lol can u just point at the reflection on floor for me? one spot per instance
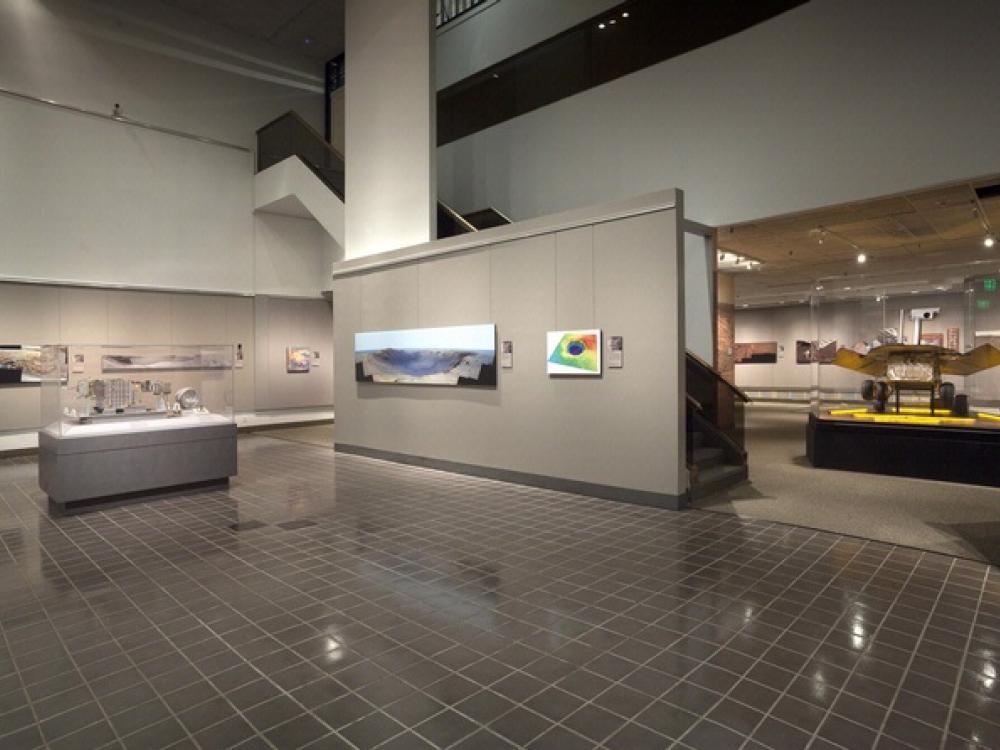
(334, 601)
(314, 434)
(954, 519)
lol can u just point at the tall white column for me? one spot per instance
(390, 139)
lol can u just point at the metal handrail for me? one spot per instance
(122, 119)
(305, 123)
(718, 376)
(457, 217)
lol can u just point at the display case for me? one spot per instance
(104, 390)
(926, 359)
(907, 382)
(119, 420)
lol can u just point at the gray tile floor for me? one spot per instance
(335, 601)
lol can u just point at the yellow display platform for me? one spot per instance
(915, 415)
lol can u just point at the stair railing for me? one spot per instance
(715, 405)
(290, 135)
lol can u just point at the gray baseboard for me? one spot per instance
(607, 492)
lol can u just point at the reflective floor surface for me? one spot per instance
(335, 601)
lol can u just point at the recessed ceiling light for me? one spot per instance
(308, 40)
(914, 291)
(819, 287)
(600, 25)
(847, 288)
(625, 14)
(989, 240)
(862, 258)
(613, 21)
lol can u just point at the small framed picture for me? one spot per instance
(616, 352)
(507, 354)
(238, 358)
(297, 359)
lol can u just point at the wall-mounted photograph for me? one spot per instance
(450, 356)
(171, 362)
(573, 352)
(756, 353)
(807, 352)
(298, 359)
(20, 364)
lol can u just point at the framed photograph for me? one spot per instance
(21, 364)
(238, 356)
(297, 359)
(507, 354)
(449, 356)
(756, 353)
(315, 358)
(574, 352)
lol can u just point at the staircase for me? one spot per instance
(288, 143)
(716, 456)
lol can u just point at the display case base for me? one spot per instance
(949, 454)
(86, 473)
(130, 498)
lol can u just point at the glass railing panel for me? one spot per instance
(289, 135)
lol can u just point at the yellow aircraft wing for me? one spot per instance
(981, 358)
(874, 366)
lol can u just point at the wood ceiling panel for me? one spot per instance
(927, 238)
(953, 195)
(954, 222)
(884, 207)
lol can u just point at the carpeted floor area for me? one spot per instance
(960, 520)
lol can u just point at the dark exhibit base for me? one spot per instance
(130, 498)
(950, 454)
(99, 471)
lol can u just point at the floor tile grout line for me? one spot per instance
(850, 673)
(645, 663)
(909, 664)
(136, 666)
(412, 556)
(961, 668)
(238, 711)
(786, 629)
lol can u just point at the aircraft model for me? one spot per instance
(911, 367)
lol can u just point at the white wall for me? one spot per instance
(830, 102)
(699, 296)
(623, 429)
(85, 199)
(292, 255)
(503, 28)
(283, 323)
(93, 55)
(33, 314)
(390, 126)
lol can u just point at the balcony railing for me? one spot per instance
(290, 135)
(449, 10)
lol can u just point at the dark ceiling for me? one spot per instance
(308, 28)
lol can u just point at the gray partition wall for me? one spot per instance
(618, 268)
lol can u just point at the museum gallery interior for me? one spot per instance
(480, 374)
